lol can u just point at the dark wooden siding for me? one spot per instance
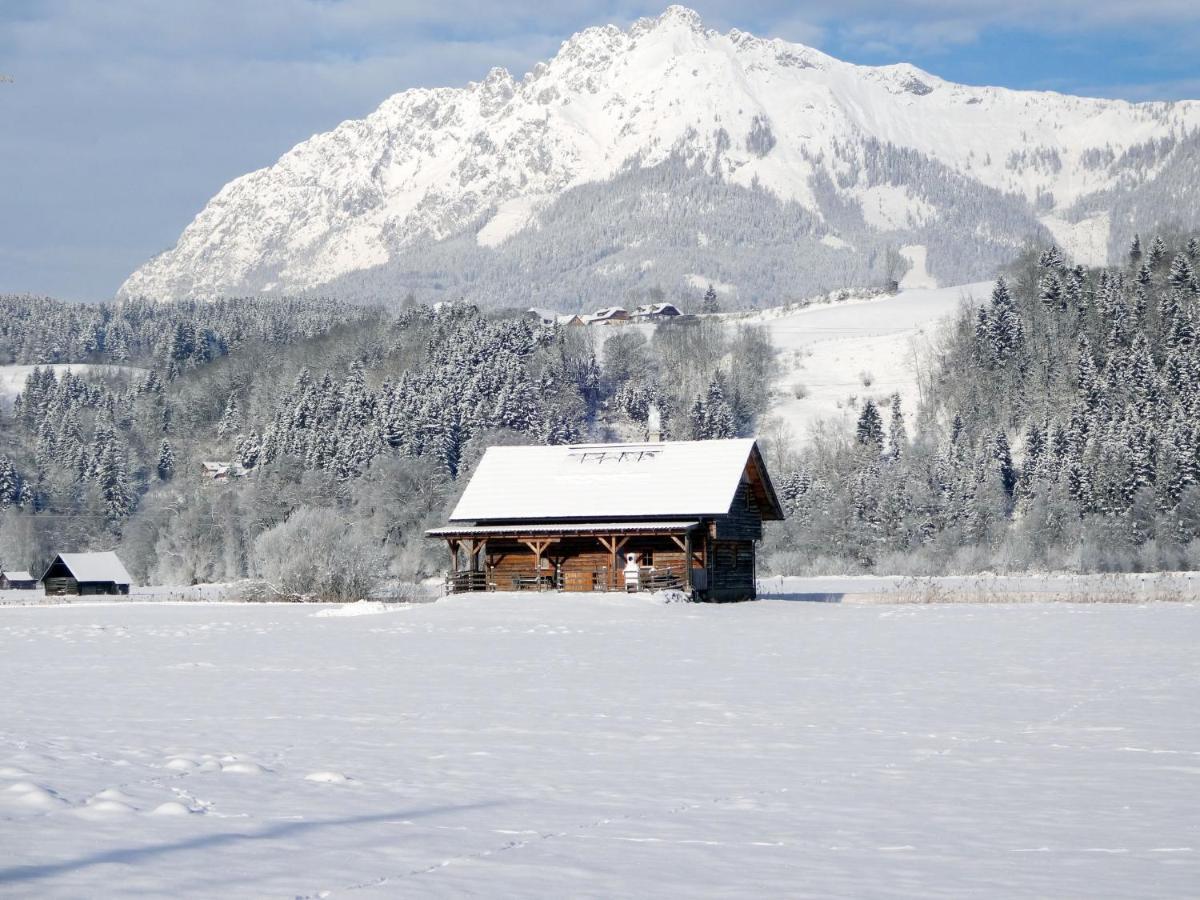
(731, 575)
(744, 519)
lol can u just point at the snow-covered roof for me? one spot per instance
(658, 309)
(560, 528)
(609, 312)
(17, 576)
(96, 567)
(610, 481)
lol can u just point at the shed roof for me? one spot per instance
(95, 567)
(677, 479)
(17, 576)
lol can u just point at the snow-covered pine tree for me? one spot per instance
(897, 433)
(1157, 258)
(869, 430)
(230, 423)
(166, 461)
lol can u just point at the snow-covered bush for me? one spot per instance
(315, 552)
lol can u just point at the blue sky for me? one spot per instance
(123, 117)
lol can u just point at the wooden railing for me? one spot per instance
(467, 582)
(663, 579)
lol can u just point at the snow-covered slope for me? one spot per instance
(834, 357)
(667, 151)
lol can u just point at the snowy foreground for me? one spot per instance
(591, 746)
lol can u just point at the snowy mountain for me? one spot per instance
(669, 156)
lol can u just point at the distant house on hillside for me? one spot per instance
(548, 318)
(13, 580)
(222, 470)
(653, 311)
(544, 317)
(610, 315)
(86, 574)
(606, 517)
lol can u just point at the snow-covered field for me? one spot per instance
(1132, 587)
(588, 746)
(833, 350)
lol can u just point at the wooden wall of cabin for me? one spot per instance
(743, 522)
(731, 575)
(583, 561)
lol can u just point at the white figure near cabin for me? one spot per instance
(632, 572)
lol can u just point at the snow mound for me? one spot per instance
(243, 767)
(326, 777)
(361, 608)
(27, 795)
(12, 772)
(113, 795)
(171, 808)
(180, 764)
(105, 808)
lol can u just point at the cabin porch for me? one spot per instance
(575, 558)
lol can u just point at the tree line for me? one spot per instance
(1062, 431)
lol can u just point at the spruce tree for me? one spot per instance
(1135, 252)
(166, 461)
(231, 420)
(710, 304)
(1157, 257)
(897, 433)
(1002, 457)
(1181, 273)
(869, 431)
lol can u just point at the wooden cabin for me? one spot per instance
(17, 581)
(86, 574)
(613, 517)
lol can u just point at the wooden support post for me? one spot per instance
(453, 545)
(687, 562)
(538, 547)
(613, 545)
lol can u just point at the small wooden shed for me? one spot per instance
(604, 517)
(17, 581)
(86, 574)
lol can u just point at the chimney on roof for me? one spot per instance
(654, 425)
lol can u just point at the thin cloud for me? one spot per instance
(124, 117)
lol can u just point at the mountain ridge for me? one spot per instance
(482, 191)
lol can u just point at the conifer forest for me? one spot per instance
(1060, 427)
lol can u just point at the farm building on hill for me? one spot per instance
(86, 574)
(655, 311)
(605, 517)
(17, 581)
